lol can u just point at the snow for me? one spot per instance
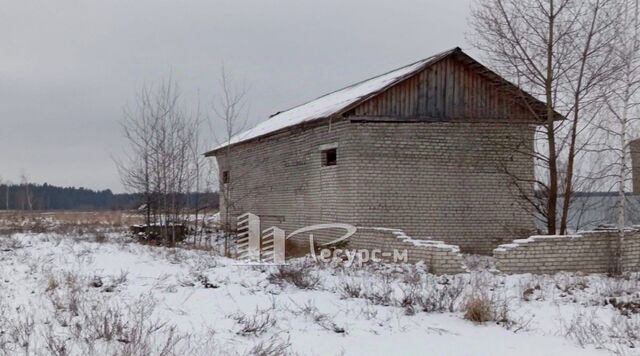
(402, 236)
(519, 242)
(332, 103)
(204, 295)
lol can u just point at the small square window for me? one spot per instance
(330, 157)
(225, 177)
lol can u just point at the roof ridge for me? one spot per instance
(341, 100)
(427, 59)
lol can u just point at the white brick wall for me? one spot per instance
(433, 180)
(439, 257)
(591, 252)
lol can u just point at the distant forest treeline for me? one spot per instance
(50, 197)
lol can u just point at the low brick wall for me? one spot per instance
(590, 252)
(631, 252)
(440, 258)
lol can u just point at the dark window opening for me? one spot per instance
(225, 177)
(330, 157)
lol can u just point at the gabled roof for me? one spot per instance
(341, 101)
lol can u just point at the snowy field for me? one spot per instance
(88, 293)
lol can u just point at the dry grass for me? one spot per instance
(271, 347)
(81, 223)
(432, 295)
(325, 321)
(299, 275)
(479, 309)
(254, 324)
(106, 217)
(617, 335)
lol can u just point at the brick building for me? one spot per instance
(432, 148)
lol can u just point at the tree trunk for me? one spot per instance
(622, 175)
(552, 196)
(568, 189)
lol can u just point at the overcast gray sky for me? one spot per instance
(69, 67)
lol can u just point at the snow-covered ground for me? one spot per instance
(73, 294)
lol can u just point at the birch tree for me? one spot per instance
(159, 163)
(199, 177)
(555, 50)
(6, 192)
(28, 197)
(589, 72)
(230, 109)
(620, 124)
(138, 127)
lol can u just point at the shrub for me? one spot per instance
(297, 275)
(254, 324)
(100, 238)
(432, 296)
(105, 323)
(52, 284)
(587, 329)
(479, 309)
(379, 292)
(271, 347)
(321, 319)
(350, 289)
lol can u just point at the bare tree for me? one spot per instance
(555, 50)
(7, 187)
(138, 127)
(230, 108)
(590, 69)
(6, 191)
(199, 177)
(620, 124)
(28, 197)
(159, 163)
(6, 184)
